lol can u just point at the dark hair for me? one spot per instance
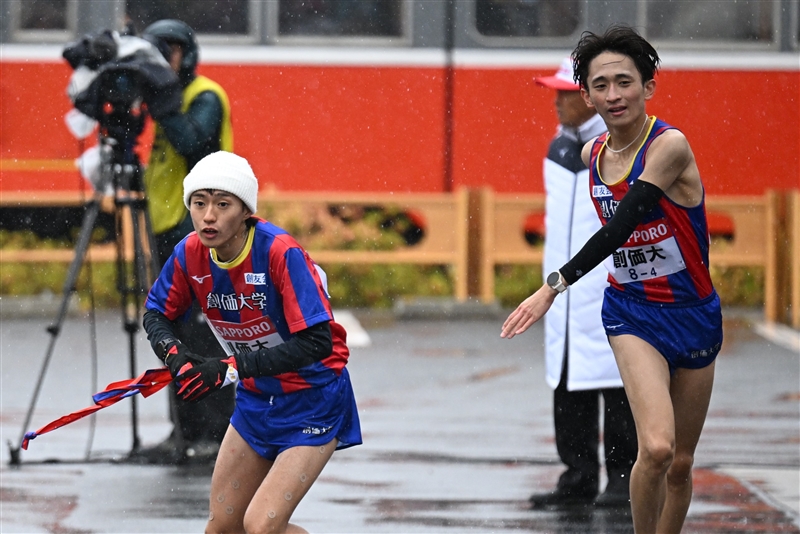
(617, 38)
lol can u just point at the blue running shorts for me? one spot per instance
(688, 335)
(309, 417)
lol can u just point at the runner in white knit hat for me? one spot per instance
(266, 301)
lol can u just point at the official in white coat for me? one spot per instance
(580, 365)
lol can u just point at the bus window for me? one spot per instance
(43, 15)
(711, 20)
(381, 18)
(527, 18)
(227, 17)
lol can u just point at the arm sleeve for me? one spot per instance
(160, 332)
(634, 206)
(196, 132)
(308, 346)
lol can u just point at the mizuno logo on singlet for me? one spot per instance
(199, 279)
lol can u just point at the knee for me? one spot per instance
(656, 454)
(680, 471)
(272, 521)
(217, 524)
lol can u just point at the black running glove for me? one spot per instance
(199, 381)
(176, 356)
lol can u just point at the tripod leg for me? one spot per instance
(136, 285)
(87, 227)
(127, 280)
(141, 276)
(151, 242)
(134, 412)
(150, 259)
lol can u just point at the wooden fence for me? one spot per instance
(444, 217)
(473, 238)
(503, 240)
(106, 252)
(755, 240)
(794, 240)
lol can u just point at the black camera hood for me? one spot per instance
(91, 51)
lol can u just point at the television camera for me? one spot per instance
(117, 81)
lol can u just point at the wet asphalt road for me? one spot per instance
(457, 434)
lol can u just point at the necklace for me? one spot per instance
(626, 147)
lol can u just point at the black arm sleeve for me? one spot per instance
(160, 332)
(640, 200)
(306, 347)
(195, 134)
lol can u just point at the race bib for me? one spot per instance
(651, 252)
(237, 338)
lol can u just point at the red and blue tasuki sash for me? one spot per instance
(147, 383)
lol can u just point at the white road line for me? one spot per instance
(356, 335)
(780, 334)
(777, 487)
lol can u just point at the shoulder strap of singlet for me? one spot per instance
(596, 146)
(658, 128)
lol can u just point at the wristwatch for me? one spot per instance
(555, 281)
(164, 346)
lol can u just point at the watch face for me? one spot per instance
(553, 279)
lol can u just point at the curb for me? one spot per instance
(44, 305)
(427, 308)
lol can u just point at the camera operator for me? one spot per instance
(183, 136)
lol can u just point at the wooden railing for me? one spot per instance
(444, 241)
(794, 235)
(754, 240)
(503, 234)
(764, 231)
(105, 252)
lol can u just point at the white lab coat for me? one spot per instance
(570, 220)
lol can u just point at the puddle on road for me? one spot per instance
(721, 504)
(740, 510)
(45, 511)
(499, 515)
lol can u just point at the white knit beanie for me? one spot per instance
(224, 171)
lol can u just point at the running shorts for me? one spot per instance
(309, 417)
(688, 336)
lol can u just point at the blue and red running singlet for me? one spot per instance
(666, 257)
(260, 301)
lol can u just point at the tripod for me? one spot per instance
(136, 260)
